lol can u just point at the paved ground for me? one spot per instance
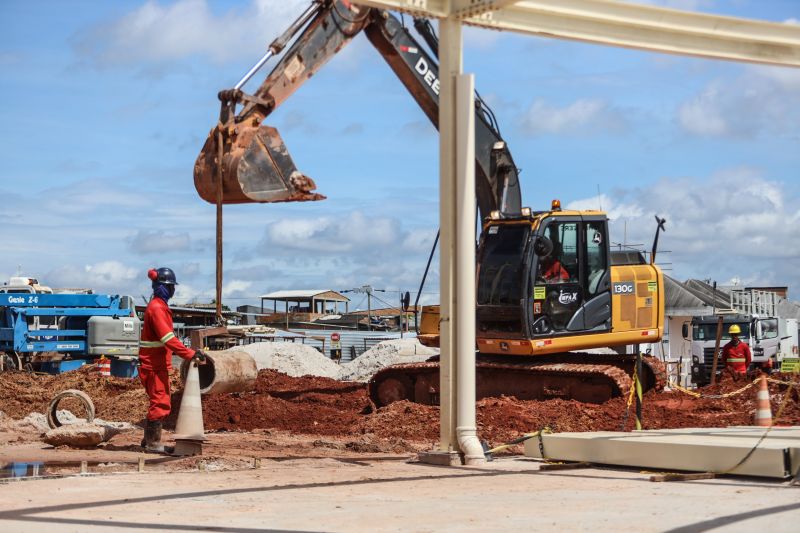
(387, 494)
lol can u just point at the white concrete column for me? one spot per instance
(450, 65)
(457, 249)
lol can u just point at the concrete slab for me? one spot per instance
(692, 449)
(327, 495)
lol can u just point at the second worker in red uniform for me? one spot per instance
(736, 354)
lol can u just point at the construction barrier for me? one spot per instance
(104, 366)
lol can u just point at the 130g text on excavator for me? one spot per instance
(548, 283)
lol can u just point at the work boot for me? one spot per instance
(152, 438)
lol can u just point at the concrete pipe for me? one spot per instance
(52, 409)
(225, 371)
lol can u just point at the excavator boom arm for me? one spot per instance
(256, 166)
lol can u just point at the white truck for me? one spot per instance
(770, 340)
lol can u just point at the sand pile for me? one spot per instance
(292, 359)
(385, 354)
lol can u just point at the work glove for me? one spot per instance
(200, 357)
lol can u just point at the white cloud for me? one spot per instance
(104, 276)
(786, 78)
(611, 206)
(236, 288)
(480, 38)
(92, 196)
(185, 292)
(162, 32)
(582, 117)
(334, 235)
(703, 115)
(761, 100)
(735, 223)
(156, 242)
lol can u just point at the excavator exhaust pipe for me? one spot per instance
(256, 168)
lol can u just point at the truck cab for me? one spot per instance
(760, 333)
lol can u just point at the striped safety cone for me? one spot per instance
(763, 410)
(104, 366)
(189, 430)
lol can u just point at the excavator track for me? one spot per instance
(591, 378)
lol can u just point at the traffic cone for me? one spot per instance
(189, 431)
(763, 410)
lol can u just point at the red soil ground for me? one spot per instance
(325, 407)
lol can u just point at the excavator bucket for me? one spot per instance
(256, 167)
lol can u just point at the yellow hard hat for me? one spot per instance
(735, 329)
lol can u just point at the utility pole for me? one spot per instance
(368, 290)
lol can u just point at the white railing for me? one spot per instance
(754, 302)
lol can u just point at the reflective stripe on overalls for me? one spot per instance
(157, 344)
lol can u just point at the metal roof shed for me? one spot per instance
(316, 300)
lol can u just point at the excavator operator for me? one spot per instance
(155, 355)
(552, 271)
(736, 354)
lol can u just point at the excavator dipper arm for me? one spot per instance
(256, 166)
(253, 162)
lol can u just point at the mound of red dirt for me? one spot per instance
(326, 407)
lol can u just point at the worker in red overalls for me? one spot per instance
(156, 347)
(552, 271)
(736, 354)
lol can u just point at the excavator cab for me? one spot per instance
(542, 277)
(571, 290)
(546, 284)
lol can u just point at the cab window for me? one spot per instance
(595, 239)
(769, 328)
(561, 266)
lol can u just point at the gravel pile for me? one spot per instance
(302, 360)
(290, 358)
(385, 354)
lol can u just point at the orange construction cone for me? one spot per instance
(763, 410)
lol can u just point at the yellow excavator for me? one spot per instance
(557, 308)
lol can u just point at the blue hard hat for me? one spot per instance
(163, 275)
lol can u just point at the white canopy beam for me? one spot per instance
(623, 24)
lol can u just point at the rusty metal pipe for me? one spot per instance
(225, 371)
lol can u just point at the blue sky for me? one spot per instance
(107, 104)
